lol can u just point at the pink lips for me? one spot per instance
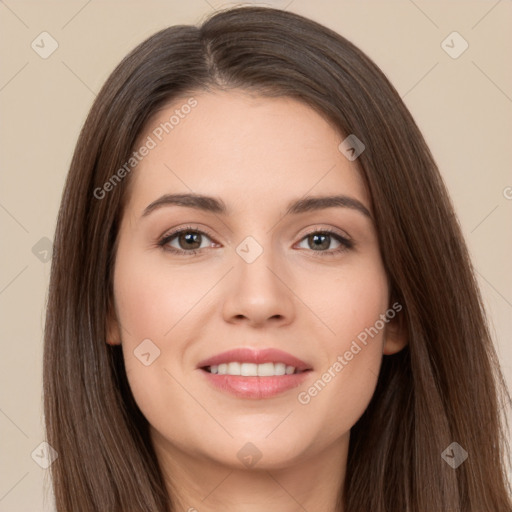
(247, 355)
(255, 387)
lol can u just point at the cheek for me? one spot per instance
(353, 343)
(151, 299)
(148, 306)
(349, 302)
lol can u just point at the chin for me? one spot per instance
(257, 452)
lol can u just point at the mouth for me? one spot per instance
(252, 369)
(256, 374)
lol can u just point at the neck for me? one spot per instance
(201, 484)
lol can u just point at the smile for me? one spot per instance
(254, 373)
(252, 369)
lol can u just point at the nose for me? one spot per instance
(259, 293)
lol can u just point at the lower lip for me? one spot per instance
(255, 387)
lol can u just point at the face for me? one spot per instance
(288, 285)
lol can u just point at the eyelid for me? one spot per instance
(346, 242)
(329, 230)
(164, 239)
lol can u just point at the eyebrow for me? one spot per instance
(217, 205)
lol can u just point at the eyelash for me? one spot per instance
(346, 243)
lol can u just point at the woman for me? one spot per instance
(260, 296)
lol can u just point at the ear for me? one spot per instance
(113, 331)
(395, 335)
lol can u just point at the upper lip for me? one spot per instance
(258, 356)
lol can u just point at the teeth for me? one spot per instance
(233, 369)
(266, 370)
(249, 369)
(280, 368)
(252, 369)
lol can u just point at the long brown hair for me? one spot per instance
(444, 387)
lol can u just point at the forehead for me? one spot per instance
(244, 148)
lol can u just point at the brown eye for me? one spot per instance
(321, 242)
(189, 240)
(185, 241)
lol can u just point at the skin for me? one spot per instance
(256, 154)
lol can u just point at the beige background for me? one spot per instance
(462, 105)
